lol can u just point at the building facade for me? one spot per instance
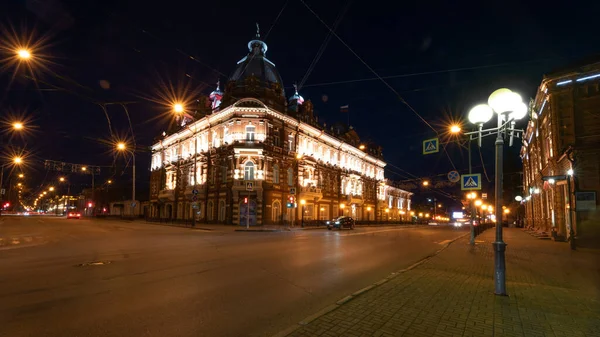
(562, 140)
(248, 153)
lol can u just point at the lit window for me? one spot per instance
(249, 171)
(250, 132)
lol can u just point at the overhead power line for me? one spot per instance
(402, 100)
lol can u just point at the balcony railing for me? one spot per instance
(166, 195)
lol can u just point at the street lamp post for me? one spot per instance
(15, 161)
(509, 109)
(303, 203)
(123, 147)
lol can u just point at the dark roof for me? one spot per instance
(579, 66)
(256, 64)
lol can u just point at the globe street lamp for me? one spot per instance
(122, 147)
(509, 108)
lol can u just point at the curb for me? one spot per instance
(259, 230)
(364, 290)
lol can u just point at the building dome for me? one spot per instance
(256, 64)
(257, 77)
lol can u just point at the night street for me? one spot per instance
(170, 281)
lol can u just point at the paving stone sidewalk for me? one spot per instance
(553, 291)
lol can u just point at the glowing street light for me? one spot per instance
(122, 147)
(17, 126)
(509, 108)
(178, 108)
(84, 168)
(51, 189)
(478, 202)
(61, 179)
(24, 54)
(109, 182)
(425, 183)
(362, 146)
(506, 211)
(17, 160)
(455, 128)
(21, 175)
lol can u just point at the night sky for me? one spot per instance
(441, 57)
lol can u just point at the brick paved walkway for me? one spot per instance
(553, 291)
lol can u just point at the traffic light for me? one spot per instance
(291, 202)
(245, 200)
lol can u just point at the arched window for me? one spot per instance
(249, 171)
(275, 174)
(222, 210)
(210, 211)
(290, 176)
(276, 211)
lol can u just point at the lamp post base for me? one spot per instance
(499, 268)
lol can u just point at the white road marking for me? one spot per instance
(365, 233)
(444, 242)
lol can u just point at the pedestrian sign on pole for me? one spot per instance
(292, 190)
(249, 186)
(453, 176)
(470, 182)
(431, 146)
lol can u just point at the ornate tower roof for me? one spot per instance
(256, 76)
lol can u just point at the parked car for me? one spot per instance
(73, 215)
(340, 223)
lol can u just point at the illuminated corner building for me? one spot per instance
(564, 134)
(251, 133)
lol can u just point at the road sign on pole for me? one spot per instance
(470, 182)
(249, 186)
(453, 176)
(431, 146)
(292, 190)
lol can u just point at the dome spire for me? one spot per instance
(216, 96)
(257, 46)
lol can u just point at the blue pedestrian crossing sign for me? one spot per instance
(470, 182)
(431, 146)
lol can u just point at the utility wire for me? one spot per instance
(483, 164)
(506, 64)
(324, 45)
(402, 100)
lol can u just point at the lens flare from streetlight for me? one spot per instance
(425, 183)
(24, 50)
(24, 54)
(61, 179)
(121, 146)
(17, 125)
(18, 160)
(455, 129)
(178, 108)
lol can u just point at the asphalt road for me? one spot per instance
(169, 281)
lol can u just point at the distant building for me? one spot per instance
(562, 135)
(249, 155)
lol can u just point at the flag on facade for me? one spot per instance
(344, 108)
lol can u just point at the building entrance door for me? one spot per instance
(244, 213)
